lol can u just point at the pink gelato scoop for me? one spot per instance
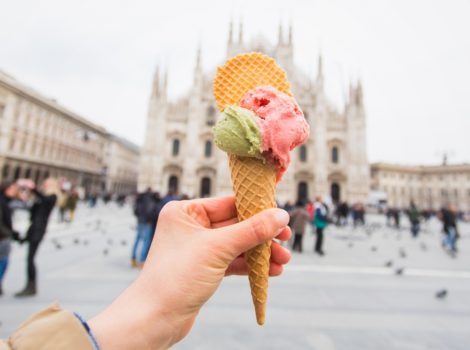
(281, 121)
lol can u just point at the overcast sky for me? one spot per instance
(97, 58)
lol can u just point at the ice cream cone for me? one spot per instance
(253, 180)
(254, 184)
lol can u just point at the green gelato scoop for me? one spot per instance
(238, 133)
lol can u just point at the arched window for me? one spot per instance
(335, 155)
(17, 173)
(27, 173)
(205, 187)
(5, 171)
(303, 153)
(208, 149)
(210, 118)
(175, 150)
(37, 176)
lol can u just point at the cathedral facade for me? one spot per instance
(179, 153)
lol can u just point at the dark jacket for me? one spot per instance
(40, 212)
(298, 219)
(145, 208)
(6, 227)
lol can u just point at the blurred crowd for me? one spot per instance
(319, 215)
(305, 216)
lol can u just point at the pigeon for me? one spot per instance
(351, 244)
(58, 246)
(389, 263)
(402, 253)
(441, 294)
(85, 242)
(399, 271)
(424, 247)
(76, 241)
(373, 248)
(124, 242)
(105, 252)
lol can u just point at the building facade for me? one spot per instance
(122, 159)
(430, 187)
(40, 138)
(179, 154)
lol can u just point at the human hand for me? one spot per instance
(196, 244)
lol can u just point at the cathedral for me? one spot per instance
(179, 153)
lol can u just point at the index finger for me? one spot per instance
(219, 209)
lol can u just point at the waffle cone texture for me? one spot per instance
(254, 184)
(253, 181)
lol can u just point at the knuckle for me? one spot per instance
(260, 229)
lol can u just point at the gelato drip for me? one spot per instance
(281, 121)
(238, 133)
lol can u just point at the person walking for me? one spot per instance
(8, 191)
(299, 217)
(449, 223)
(413, 215)
(71, 204)
(320, 222)
(45, 199)
(145, 210)
(62, 205)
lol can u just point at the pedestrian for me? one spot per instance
(299, 217)
(8, 192)
(320, 222)
(71, 204)
(449, 226)
(144, 210)
(45, 199)
(414, 215)
(396, 217)
(62, 205)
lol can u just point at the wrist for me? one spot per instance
(135, 321)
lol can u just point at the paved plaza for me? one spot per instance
(375, 288)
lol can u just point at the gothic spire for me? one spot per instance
(290, 33)
(240, 33)
(279, 39)
(156, 81)
(230, 32)
(165, 82)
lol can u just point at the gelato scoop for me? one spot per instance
(268, 125)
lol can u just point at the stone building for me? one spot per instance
(178, 151)
(122, 159)
(40, 138)
(430, 187)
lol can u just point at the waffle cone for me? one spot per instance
(254, 184)
(244, 72)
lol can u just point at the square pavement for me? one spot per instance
(348, 299)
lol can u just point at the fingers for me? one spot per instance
(238, 267)
(279, 254)
(218, 209)
(285, 234)
(240, 237)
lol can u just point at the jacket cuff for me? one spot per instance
(52, 329)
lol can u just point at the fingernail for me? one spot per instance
(281, 217)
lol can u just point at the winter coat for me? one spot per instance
(321, 215)
(299, 218)
(6, 229)
(50, 329)
(40, 212)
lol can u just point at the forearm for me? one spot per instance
(133, 321)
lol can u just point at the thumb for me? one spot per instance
(247, 234)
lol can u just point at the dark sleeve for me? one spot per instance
(4, 230)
